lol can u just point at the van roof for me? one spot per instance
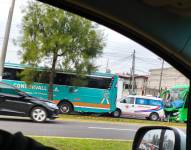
(146, 97)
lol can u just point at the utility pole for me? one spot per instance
(6, 39)
(160, 81)
(107, 70)
(133, 72)
(107, 65)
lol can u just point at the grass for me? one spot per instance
(117, 120)
(83, 144)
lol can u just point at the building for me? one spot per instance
(149, 85)
(125, 82)
(170, 77)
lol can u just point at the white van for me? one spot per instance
(140, 107)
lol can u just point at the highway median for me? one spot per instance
(95, 118)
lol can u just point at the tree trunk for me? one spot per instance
(51, 77)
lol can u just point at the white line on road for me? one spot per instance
(83, 138)
(117, 129)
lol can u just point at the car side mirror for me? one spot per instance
(21, 95)
(159, 138)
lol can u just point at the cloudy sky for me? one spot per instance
(117, 53)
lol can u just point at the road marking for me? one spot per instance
(61, 137)
(117, 129)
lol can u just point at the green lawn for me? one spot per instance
(117, 120)
(84, 144)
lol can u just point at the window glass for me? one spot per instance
(130, 100)
(142, 101)
(151, 140)
(127, 86)
(6, 89)
(11, 74)
(123, 101)
(88, 81)
(169, 140)
(155, 103)
(62, 79)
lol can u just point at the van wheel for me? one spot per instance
(116, 113)
(38, 114)
(65, 108)
(154, 116)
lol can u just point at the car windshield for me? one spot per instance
(7, 89)
(104, 86)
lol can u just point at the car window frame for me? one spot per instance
(112, 24)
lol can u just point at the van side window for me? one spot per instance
(130, 100)
(142, 101)
(151, 102)
(155, 103)
(123, 101)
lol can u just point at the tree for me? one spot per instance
(57, 39)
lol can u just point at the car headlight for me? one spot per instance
(52, 105)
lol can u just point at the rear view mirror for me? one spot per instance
(159, 138)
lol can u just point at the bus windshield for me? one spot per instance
(176, 94)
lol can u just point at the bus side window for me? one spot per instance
(11, 74)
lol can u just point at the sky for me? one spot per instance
(117, 54)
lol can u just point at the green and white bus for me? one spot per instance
(98, 95)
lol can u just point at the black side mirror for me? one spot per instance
(22, 95)
(159, 138)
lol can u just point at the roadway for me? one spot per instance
(71, 129)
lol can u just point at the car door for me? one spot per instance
(127, 106)
(11, 102)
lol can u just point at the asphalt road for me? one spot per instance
(71, 129)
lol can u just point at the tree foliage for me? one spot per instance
(57, 39)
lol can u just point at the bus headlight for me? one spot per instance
(176, 114)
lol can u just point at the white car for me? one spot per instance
(135, 106)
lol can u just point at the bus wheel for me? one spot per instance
(65, 108)
(154, 116)
(38, 114)
(116, 113)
